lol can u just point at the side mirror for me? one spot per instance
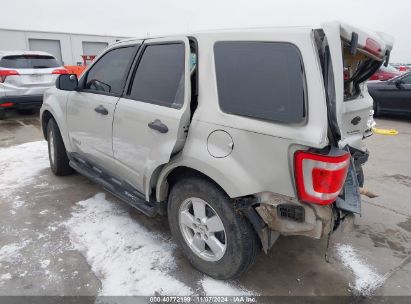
(67, 82)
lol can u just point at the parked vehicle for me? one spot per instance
(385, 73)
(392, 96)
(238, 135)
(24, 76)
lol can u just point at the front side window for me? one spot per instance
(108, 74)
(159, 78)
(261, 80)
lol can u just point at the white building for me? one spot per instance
(66, 47)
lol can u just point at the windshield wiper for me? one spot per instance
(40, 67)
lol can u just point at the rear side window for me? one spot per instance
(262, 80)
(108, 74)
(29, 62)
(406, 79)
(159, 78)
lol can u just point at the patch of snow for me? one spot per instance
(42, 185)
(125, 256)
(12, 212)
(44, 264)
(20, 164)
(213, 287)
(5, 277)
(366, 280)
(44, 212)
(40, 235)
(10, 253)
(17, 204)
(23, 274)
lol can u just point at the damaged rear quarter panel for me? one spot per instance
(262, 156)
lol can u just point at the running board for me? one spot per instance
(116, 187)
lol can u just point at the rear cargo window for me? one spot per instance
(262, 80)
(28, 62)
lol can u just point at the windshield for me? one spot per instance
(29, 62)
(389, 68)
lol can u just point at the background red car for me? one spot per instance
(385, 73)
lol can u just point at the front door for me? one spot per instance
(90, 110)
(397, 95)
(151, 119)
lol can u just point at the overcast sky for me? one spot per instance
(142, 17)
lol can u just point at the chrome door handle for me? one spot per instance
(101, 110)
(158, 126)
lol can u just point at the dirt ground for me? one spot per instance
(43, 250)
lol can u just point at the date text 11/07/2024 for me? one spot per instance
(203, 299)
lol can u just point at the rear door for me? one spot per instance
(152, 118)
(90, 110)
(358, 54)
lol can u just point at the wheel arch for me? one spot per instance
(48, 113)
(45, 118)
(174, 172)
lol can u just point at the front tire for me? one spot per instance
(215, 238)
(59, 162)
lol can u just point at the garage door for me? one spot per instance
(93, 48)
(50, 46)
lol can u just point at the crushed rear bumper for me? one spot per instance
(288, 216)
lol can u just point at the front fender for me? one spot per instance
(55, 102)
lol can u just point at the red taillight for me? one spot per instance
(60, 71)
(372, 47)
(5, 73)
(6, 104)
(320, 178)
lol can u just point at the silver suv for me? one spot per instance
(24, 76)
(238, 135)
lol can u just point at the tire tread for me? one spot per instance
(61, 165)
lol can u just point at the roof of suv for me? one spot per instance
(17, 53)
(213, 32)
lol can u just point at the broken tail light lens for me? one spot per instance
(320, 178)
(6, 73)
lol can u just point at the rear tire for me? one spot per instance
(2, 114)
(223, 248)
(59, 162)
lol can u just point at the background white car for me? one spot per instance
(24, 76)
